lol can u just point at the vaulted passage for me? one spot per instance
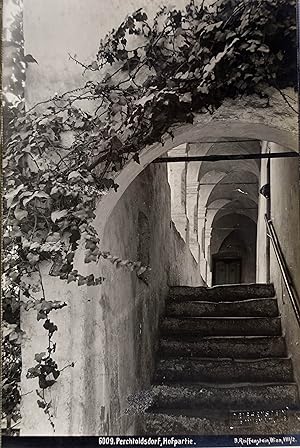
(216, 204)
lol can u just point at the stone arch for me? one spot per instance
(207, 184)
(226, 220)
(247, 118)
(248, 208)
(246, 182)
(232, 165)
(215, 207)
(233, 244)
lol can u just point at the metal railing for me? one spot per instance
(288, 281)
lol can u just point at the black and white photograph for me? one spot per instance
(150, 223)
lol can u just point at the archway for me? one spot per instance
(233, 249)
(91, 328)
(244, 121)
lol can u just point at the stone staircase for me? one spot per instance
(222, 365)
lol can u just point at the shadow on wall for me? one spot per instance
(139, 229)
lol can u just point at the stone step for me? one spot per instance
(204, 326)
(258, 423)
(246, 308)
(229, 396)
(218, 347)
(274, 370)
(222, 293)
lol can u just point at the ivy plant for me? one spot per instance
(147, 77)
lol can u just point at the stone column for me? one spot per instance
(207, 238)
(177, 181)
(201, 230)
(192, 211)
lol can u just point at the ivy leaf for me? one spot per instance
(55, 374)
(41, 404)
(264, 49)
(12, 194)
(30, 304)
(33, 258)
(136, 158)
(50, 326)
(44, 383)
(29, 59)
(8, 329)
(20, 214)
(39, 356)
(140, 16)
(74, 175)
(81, 280)
(116, 143)
(33, 372)
(94, 65)
(186, 97)
(58, 214)
(37, 194)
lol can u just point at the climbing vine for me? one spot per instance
(62, 155)
(13, 77)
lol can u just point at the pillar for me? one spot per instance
(177, 181)
(192, 212)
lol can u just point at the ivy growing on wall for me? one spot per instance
(62, 155)
(13, 78)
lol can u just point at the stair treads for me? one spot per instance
(222, 293)
(275, 370)
(246, 308)
(266, 396)
(218, 347)
(257, 326)
(161, 424)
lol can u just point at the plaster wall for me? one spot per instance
(131, 307)
(110, 331)
(53, 29)
(285, 214)
(261, 259)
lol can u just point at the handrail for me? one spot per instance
(271, 233)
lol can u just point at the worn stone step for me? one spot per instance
(204, 326)
(211, 424)
(274, 370)
(222, 293)
(246, 308)
(229, 396)
(218, 347)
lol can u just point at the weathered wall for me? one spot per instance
(285, 214)
(131, 307)
(111, 331)
(262, 242)
(184, 269)
(54, 29)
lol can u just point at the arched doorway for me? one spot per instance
(91, 322)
